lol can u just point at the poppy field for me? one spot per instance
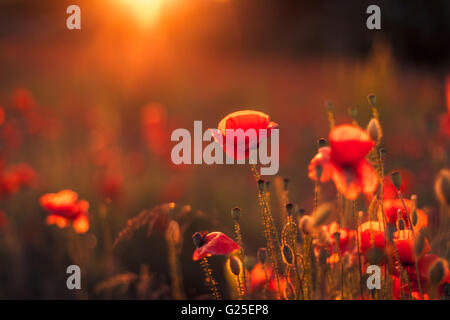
(359, 208)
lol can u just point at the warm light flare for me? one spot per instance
(147, 12)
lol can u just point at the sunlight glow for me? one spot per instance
(147, 12)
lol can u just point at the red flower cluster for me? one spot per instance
(344, 162)
(65, 208)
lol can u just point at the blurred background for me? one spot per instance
(92, 110)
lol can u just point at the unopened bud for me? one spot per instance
(374, 130)
(352, 112)
(322, 143)
(262, 255)
(236, 214)
(442, 186)
(261, 185)
(396, 179)
(437, 272)
(419, 244)
(285, 184)
(289, 208)
(235, 265)
(372, 99)
(306, 225)
(288, 256)
(197, 238)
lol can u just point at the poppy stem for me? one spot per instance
(210, 281)
(238, 234)
(414, 241)
(175, 273)
(358, 248)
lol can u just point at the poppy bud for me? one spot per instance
(235, 265)
(197, 238)
(249, 262)
(374, 130)
(396, 179)
(236, 213)
(301, 211)
(372, 99)
(352, 112)
(321, 214)
(261, 185)
(285, 184)
(288, 256)
(289, 292)
(437, 273)
(322, 143)
(442, 186)
(289, 208)
(262, 255)
(337, 236)
(414, 217)
(306, 224)
(419, 244)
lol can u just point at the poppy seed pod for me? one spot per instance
(374, 130)
(288, 256)
(197, 238)
(396, 179)
(322, 143)
(372, 99)
(442, 186)
(261, 185)
(301, 211)
(289, 292)
(419, 244)
(262, 255)
(285, 184)
(289, 208)
(236, 213)
(352, 112)
(235, 265)
(437, 272)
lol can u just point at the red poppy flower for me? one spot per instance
(344, 162)
(391, 208)
(65, 208)
(23, 99)
(405, 246)
(214, 243)
(346, 238)
(425, 265)
(238, 146)
(258, 280)
(396, 287)
(371, 234)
